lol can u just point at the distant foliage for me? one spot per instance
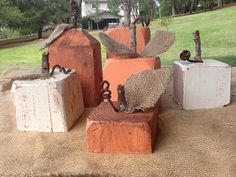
(29, 16)
(8, 33)
(165, 21)
(114, 6)
(175, 7)
(84, 23)
(97, 18)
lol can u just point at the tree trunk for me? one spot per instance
(173, 9)
(40, 32)
(180, 7)
(205, 4)
(79, 13)
(97, 26)
(220, 3)
(132, 31)
(127, 10)
(192, 6)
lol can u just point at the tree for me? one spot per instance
(114, 6)
(96, 18)
(148, 8)
(135, 6)
(165, 21)
(10, 14)
(165, 8)
(220, 3)
(37, 13)
(79, 13)
(127, 9)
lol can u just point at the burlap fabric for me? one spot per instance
(58, 31)
(115, 47)
(142, 90)
(160, 43)
(190, 143)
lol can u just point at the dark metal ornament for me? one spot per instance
(106, 93)
(197, 41)
(185, 55)
(121, 98)
(61, 69)
(45, 65)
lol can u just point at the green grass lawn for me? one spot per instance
(218, 35)
(23, 56)
(217, 29)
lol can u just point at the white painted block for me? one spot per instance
(202, 85)
(51, 105)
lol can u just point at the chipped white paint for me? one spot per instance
(202, 85)
(51, 105)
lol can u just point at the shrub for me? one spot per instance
(84, 23)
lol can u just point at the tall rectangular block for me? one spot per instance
(51, 105)
(78, 50)
(202, 85)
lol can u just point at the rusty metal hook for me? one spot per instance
(106, 93)
(61, 69)
(185, 55)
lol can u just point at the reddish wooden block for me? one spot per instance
(116, 70)
(122, 35)
(109, 131)
(79, 50)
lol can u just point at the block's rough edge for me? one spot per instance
(19, 83)
(183, 66)
(150, 127)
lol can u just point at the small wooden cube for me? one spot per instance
(202, 85)
(50, 105)
(117, 132)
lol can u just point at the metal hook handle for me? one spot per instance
(106, 93)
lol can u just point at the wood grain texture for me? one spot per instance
(78, 50)
(116, 71)
(109, 131)
(50, 105)
(122, 35)
(202, 85)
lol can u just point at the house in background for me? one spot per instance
(107, 18)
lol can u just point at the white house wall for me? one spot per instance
(103, 6)
(87, 8)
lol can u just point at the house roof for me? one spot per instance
(105, 14)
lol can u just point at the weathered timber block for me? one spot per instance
(119, 132)
(122, 35)
(116, 71)
(202, 85)
(79, 50)
(51, 105)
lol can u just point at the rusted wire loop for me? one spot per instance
(106, 93)
(185, 55)
(61, 69)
